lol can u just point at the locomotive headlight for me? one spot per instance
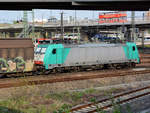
(41, 57)
(37, 57)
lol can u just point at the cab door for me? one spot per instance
(53, 57)
(59, 54)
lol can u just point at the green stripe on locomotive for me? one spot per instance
(131, 51)
(55, 54)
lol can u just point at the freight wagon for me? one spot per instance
(60, 56)
(16, 55)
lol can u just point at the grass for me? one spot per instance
(32, 99)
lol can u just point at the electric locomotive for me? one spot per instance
(55, 57)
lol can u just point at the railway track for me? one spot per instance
(52, 78)
(33, 81)
(107, 104)
(145, 61)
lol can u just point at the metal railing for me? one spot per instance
(88, 22)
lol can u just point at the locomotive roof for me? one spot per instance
(94, 45)
(85, 45)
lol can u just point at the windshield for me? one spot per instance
(43, 50)
(37, 50)
(40, 50)
(45, 41)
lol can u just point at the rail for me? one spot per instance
(107, 102)
(56, 79)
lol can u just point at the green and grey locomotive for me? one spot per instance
(61, 56)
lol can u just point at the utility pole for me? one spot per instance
(75, 22)
(25, 22)
(75, 18)
(133, 38)
(79, 35)
(33, 29)
(93, 18)
(122, 31)
(143, 16)
(62, 26)
(142, 38)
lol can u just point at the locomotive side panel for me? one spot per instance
(16, 55)
(95, 55)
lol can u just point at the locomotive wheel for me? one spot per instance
(54, 70)
(47, 72)
(2, 75)
(118, 67)
(59, 70)
(133, 65)
(105, 66)
(100, 66)
(76, 69)
(125, 65)
(37, 73)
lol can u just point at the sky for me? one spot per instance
(10, 16)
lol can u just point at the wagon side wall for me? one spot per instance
(16, 55)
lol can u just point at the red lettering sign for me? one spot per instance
(113, 18)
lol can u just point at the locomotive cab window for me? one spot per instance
(38, 50)
(43, 50)
(54, 51)
(133, 48)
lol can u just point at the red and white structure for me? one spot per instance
(113, 17)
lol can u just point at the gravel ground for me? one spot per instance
(101, 83)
